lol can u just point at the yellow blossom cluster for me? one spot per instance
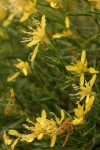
(81, 67)
(23, 67)
(66, 32)
(85, 88)
(22, 9)
(38, 36)
(51, 128)
(43, 127)
(96, 3)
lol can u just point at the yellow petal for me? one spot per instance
(43, 22)
(29, 121)
(43, 117)
(54, 4)
(40, 136)
(83, 56)
(57, 35)
(71, 68)
(14, 132)
(24, 70)
(53, 140)
(62, 115)
(13, 76)
(77, 121)
(33, 42)
(89, 103)
(92, 80)
(8, 20)
(92, 70)
(79, 112)
(28, 138)
(34, 53)
(14, 143)
(67, 22)
(82, 79)
(3, 12)
(12, 93)
(6, 139)
(25, 16)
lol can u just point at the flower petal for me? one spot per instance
(92, 70)
(7, 140)
(83, 56)
(13, 76)
(82, 79)
(53, 140)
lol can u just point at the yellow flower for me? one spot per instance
(79, 113)
(81, 67)
(38, 35)
(86, 90)
(28, 10)
(13, 76)
(57, 123)
(7, 140)
(65, 33)
(3, 12)
(96, 3)
(22, 66)
(12, 143)
(58, 120)
(42, 127)
(20, 8)
(54, 3)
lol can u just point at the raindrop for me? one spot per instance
(30, 56)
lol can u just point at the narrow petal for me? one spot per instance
(42, 119)
(89, 103)
(92, 80)
(82, 79)
(77, 121)
(28, 138)
(83, 56)
(14, 132)
(25, 16)
(67, 22)
(14, 144)
(43, 22)
(57, 35)
(8, 20)
(13, 76)
(71, 68)
(6, 139)
(24, 70)
(92, 70)
(62, 115)
(33, 42)
(79, 112)
(40, 136)
(53, 140)
(34, 53)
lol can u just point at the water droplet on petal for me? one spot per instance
(30, 56)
